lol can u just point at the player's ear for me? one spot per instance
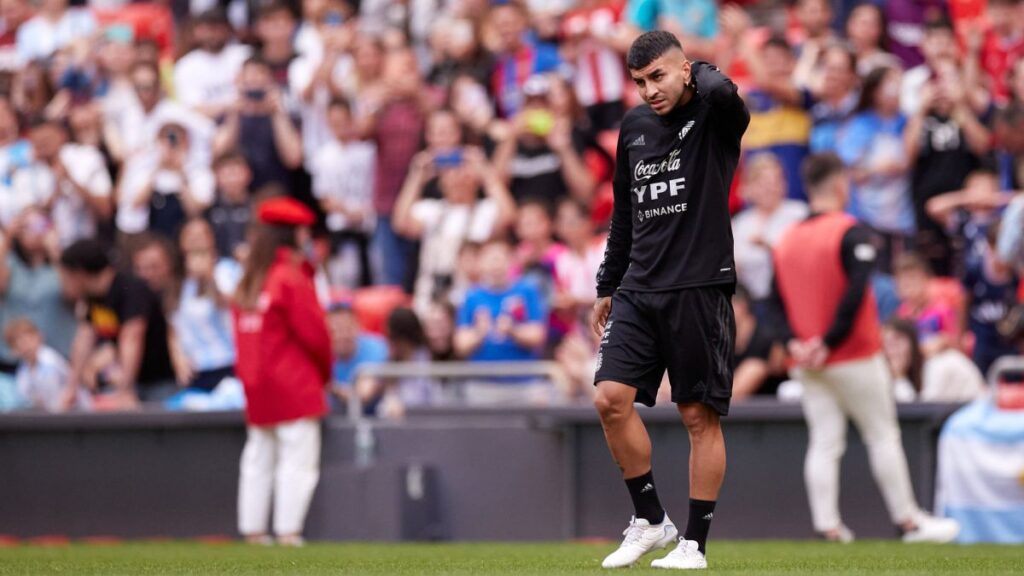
(687, 70)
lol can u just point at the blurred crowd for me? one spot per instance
(458, 154)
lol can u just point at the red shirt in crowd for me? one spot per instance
(997, 57)
(284, 349)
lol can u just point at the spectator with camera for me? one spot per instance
(258, 124)
(165, 186)
(541, 155)
(945, 142)
(443, 225)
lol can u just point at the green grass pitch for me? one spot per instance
(784, 557)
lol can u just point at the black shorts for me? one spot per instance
(690, 332)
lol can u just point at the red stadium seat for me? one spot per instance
(373, 304)
(149, 21)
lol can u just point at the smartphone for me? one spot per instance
(334, 19)
(539, 122)
(120, 34)
(255, 95)
(450, 159)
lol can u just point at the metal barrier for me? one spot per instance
(445, 372)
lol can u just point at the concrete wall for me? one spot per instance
(532, 474)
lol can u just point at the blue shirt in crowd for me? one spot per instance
(370, 349)
(521, 301)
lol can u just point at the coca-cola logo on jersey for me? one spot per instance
(670, 163)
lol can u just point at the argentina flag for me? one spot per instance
(981, 473)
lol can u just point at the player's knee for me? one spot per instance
(699, 419)
(612, 404)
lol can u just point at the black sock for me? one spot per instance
(701, 513)
(645, 498)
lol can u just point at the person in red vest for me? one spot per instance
(284, 363)
(825, 307)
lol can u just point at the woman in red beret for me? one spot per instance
(284, 362)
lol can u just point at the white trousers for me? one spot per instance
(280, 464)
(860, 390)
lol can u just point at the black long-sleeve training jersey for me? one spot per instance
(671, 226)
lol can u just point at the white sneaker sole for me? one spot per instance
(668, 539)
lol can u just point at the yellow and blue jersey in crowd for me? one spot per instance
(781, 130)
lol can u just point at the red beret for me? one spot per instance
(285, 211)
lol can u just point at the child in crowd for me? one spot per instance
(231, 212)
(203, 346)
(502, 319)
(948, 376)
(967, 214)
(537, 250)
(351, 347)
(991, 286)
(406, 342)
(575, 270)
(42, 374)
(934, 315)
(342, 171)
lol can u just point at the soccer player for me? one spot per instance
(824, 306)
(665, 284)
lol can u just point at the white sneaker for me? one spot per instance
(686, 556)
(932, 529)
(843, 535)
(641, 538)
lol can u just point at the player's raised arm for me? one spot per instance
(723, 95)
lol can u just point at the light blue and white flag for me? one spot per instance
(981, 473)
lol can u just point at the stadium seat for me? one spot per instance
(372, 304)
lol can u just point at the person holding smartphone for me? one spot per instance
(259, 126)
(459, 216)
(177, 189)
(541, 154)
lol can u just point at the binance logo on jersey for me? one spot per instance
(649, 213)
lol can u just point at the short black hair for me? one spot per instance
(649, 46)
(230, 157)
(89, 256)
(340, 102)
(404, 325)
(819, 168)
(938, 22)
(257, 61)
(273, 9)
(778, 41)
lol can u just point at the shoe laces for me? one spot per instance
(683, 550)
(633, 532)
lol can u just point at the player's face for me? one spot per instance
(663, 82)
